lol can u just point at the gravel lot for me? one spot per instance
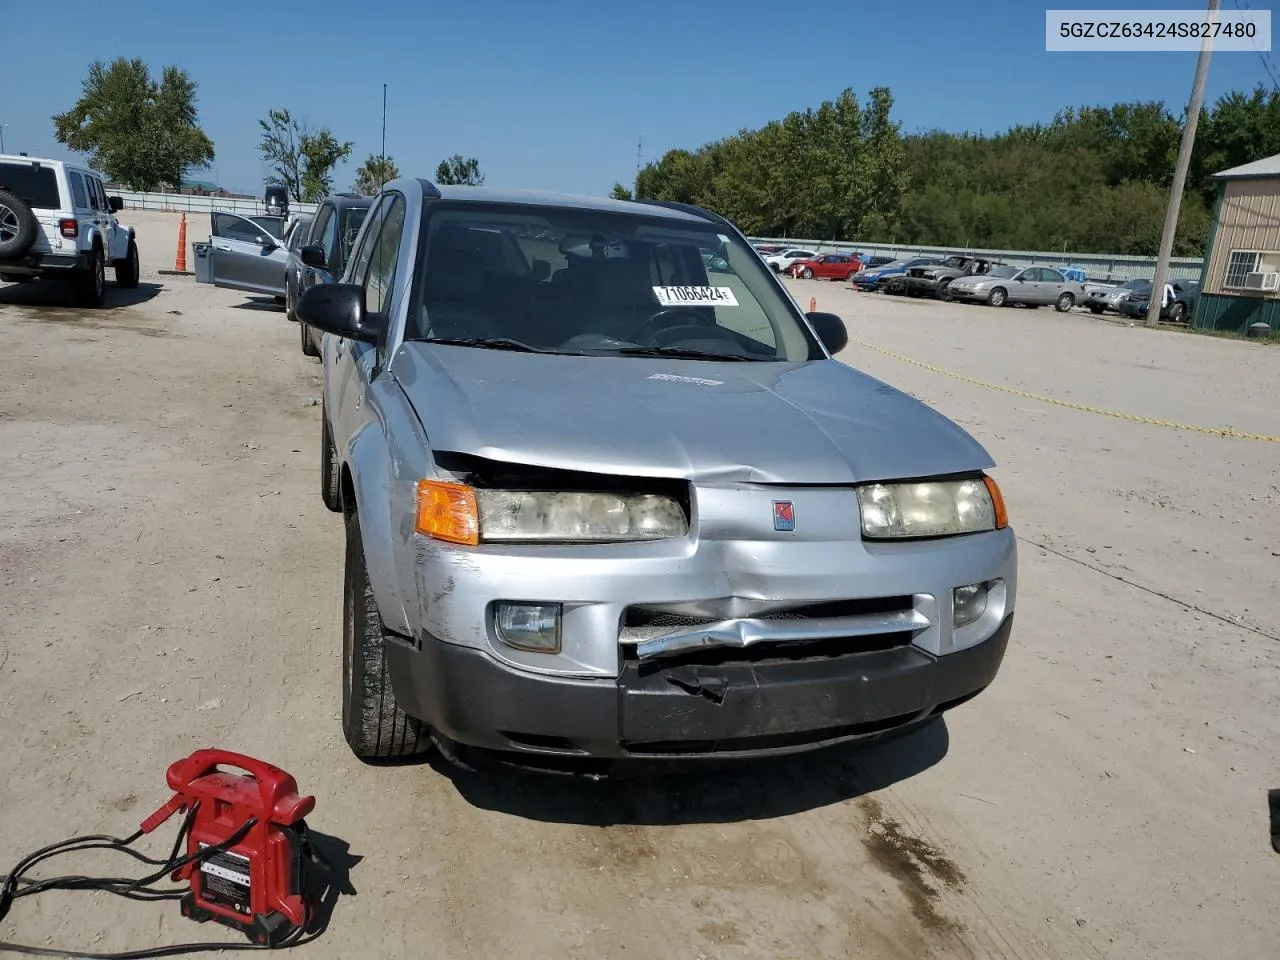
(169, 579)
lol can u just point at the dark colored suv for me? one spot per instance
(324, 252)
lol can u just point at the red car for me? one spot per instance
(829, 266)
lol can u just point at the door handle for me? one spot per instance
(218, 246)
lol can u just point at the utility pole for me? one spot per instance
(2, 126)
(1180, 176)
(382, 167)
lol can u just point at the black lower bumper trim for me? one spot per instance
(656, 711)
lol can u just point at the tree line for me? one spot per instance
(1094, 179)
(145, 134)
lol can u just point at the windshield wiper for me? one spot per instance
(488, 343)
(686, 353)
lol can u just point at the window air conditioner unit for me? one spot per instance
(1262, 280)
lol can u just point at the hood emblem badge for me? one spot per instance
(784, 516)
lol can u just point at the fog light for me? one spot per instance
(529, 626)
(970, 603)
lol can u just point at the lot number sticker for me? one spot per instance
(695, 296)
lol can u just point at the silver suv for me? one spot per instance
(604, 503)
(57, 222)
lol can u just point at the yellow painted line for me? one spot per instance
(1226, 432)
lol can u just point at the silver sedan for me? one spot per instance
(1032, 286)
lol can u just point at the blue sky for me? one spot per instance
(555, 94)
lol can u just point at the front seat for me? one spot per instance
(453, 296)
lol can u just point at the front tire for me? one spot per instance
(330, 469)
(807, 273)
(308, 346)
(998, 297)
(1178, 314)
(1064, 303)
(290, 305)
(129, 270)
(1095, 310)
(88, 285)
(374, 725)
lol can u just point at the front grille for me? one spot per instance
(640, 623)
(640, 617)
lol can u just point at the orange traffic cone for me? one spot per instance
(180, 264)
(813, 304)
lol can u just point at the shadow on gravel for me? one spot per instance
(330, 880)
(44, 295)
(269, 304)
(724, 793)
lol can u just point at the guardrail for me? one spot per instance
(1100, 267)
(202, 203)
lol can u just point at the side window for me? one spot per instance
(328, 237)
(361, 256)
(316, 229)
(79, 197)
(99, 199)
(232, 227)
(386, 252)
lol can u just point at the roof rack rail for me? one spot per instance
(689, 208)
(429, 189)
(348, 193)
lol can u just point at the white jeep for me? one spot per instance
(57, 222)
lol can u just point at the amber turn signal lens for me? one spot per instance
(447, 511)
(997, 501)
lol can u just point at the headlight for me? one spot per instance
(938, 508)
(510, 515)
(457, 513)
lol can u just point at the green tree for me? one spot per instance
(373, 173)
(619, 192)
(299, 158)
(460, 170)
(136, 131)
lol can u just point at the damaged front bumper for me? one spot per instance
(667, 711)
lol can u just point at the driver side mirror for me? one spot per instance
(313, 255)
(830, 330)
(115, 203)
(266, 242)
(541, 269)
(338, 308)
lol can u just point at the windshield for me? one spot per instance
(600, 283)
(31, 182)
(1003, 273)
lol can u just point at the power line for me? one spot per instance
(1267, 63)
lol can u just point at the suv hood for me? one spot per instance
(818, 422)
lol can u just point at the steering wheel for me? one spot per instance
(670, 317)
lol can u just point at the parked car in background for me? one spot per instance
(765, 249)
(244, 255)
(1179, 301)
(781, 261)
(890, 278)
(1102, 301)
(876, 260)
(324, 253)
(1026, 286)
(635, 512)
(295, 236)
(829, 266)
(57, 223)
(932, 280)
